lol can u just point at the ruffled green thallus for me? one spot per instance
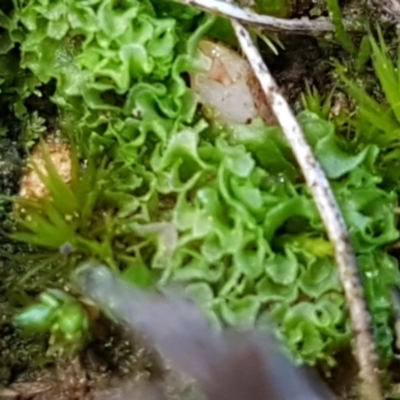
(224, 212)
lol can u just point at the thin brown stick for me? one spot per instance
(318, 26)
(331, 216)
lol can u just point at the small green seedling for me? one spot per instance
(378, 119)
(315, 103)
(71, 220)
(383, 119)
(61, 316)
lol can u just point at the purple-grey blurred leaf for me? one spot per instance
(230, 365)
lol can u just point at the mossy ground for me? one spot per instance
(109, 361)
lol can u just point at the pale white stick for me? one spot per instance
(314, 27)
(320, 25)
(331, 216)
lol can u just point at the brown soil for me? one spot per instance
(111, 368)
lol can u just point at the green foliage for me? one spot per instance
(377, 295)
(16, 84)
(313, 102)
(68, 215)
(223, 211)
(116, 80)
(341, 34)
(276, 8)
(364, 53)
(378, 122)
(59, 315)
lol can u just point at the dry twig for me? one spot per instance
(319, 186)
(331, 216)
(389, 14)
(301, 26)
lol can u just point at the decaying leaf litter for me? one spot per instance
(354, 169)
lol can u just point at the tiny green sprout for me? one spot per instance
(71, 326)
(71, 221)
(315, 103)
(59, 315)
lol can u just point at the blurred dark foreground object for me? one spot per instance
(228, 366)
